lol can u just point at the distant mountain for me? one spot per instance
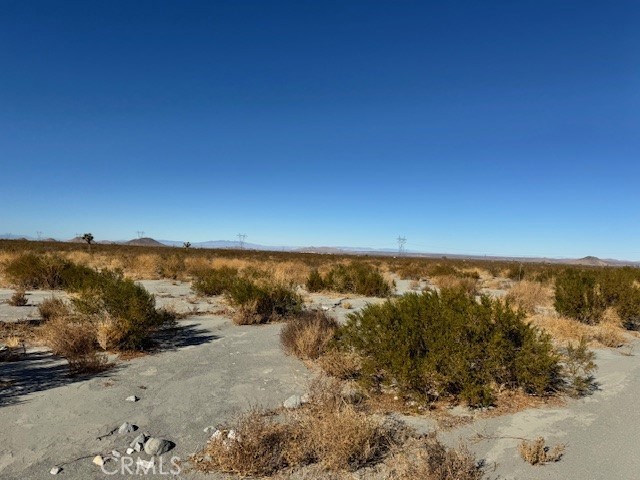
(591, 261)
(145, 242)
(10, 236)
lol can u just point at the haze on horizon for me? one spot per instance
(504, 128)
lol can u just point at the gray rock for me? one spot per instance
(115, 454)
(126, 427)
(139, 439)
(55, 470)
(157, 446)
(132, 398)
(294, 401)
(130, 451)
(98, 460)
(306, 398)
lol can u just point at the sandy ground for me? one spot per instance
(214, 370)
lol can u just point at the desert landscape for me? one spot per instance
(217, 363)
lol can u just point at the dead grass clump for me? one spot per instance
(537, 453)
(343, 438)
(308, 335)
(74, 338)
(18, 333)
(451, 282)
(53, 307)
(336, 437)
(18, 299)
(427, 459)
(562, 329)
(339, 364)
(528, 295)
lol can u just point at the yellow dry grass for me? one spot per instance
(528, 295)
(562, 329)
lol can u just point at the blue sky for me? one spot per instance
(494, 127)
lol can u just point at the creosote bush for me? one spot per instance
(262, 302)
(307, 336)
(357, 277)
(214, 281)
(448, 344)
(129, 309)
(45, 271)
(585, 294)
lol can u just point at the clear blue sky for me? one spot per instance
(491, 127)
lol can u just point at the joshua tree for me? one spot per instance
(187, 244)
(88, 237)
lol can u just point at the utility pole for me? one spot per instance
(241, 237)
(401, 243)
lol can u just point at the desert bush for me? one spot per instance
(449, 282)
(536, 452)
(446, 270)
(579, 296)
(261, 303)
(130, 308)
(214, 281)
(53, 307)
(18, 299)
(172, 266)
(308, 335)
(74, 338)
(586, 294)
(315, 283)
(578, 365)
(449, 344)
(527, 295)
(357, 277)
(45, 271)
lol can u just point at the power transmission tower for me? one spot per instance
(241, 237)
(140, 233)
(401, 243)
(39, 235)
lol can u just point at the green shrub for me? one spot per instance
(315, 283)
(45, 271)
(578, 295)
(443, 270)
(357, 277)
(261, 303)
(214, 281)
(449, 344)
(172, 266)
(586, 294)
(130, 308)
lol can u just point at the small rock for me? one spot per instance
(209, 429)
(294, 401)
(132, 398)
(306, 398)
(157, 446)
(232, 435)
(126, 427)
(216, 435)
(139, 439)
(130, 451)
(98, 460)
(55, 470)
(115, 453)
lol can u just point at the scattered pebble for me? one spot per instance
(116, 453)
(232, 435)
(98, 460)
(130, 451)
(126, 427)
(217, 435)
(144, 464)
(132, 398)
(55, 470)
(209, 429)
